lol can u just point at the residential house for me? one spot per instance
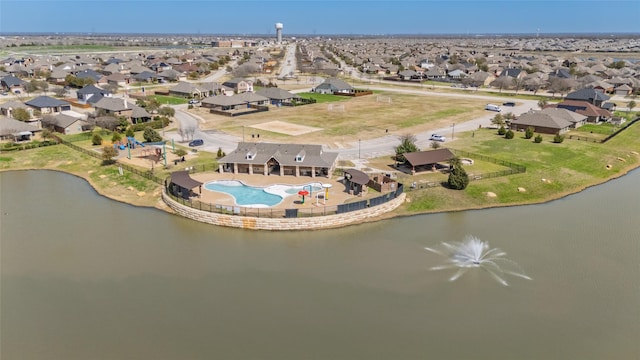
(333, 85)
(48, 105)
(592, 96)
(117, 79)
(574, 118)
(16, 130)
(279, 159)
(623, 90)
(239, 85)
(64, 124)
(541, 122)
(7, 108)
(277, 96)
(12, 83)
(145, 76)
(592, 112)
(91, 94)
(121, 107)
(189, 90)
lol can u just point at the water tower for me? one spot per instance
(279, 32)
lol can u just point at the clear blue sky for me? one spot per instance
(320, 17)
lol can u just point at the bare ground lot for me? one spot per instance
(362, 118)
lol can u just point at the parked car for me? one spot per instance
(492, 107)
(194, 101)
(196, 142)
(436, 137)
(509, 103)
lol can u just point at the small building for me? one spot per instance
(182, 185)
(279, 159)
(356, 181)
(427, 160)
(89, 92)
(121, 107)
(7, 108)
(239, 85)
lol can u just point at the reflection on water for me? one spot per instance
(93, 278)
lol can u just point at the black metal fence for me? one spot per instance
(310, 211)
(513, 168)
(144, 173)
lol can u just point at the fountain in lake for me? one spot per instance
(475, 253)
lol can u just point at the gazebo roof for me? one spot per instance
(428, 157)
(357, 176)
(182, 179)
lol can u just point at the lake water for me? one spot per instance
(85, 277)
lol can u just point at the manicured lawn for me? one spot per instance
(604, 129)
(552, 169)
(169, 100)
(322, 98)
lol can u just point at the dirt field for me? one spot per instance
(363, 118)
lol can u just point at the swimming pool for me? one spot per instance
(252, 196)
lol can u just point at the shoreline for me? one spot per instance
(159, 203)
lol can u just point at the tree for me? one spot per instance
(153, 105)
(502, 130)
(96, 139)
(407, 144)
(434, 145)
(108, 153)
(21, 114)
(180, 152)
(631, 105)
(558, 138)
(151, 135)
(59, 92)
(503, 82)
(528, 133)
(220, 153)
(167, 111)
(46, 134)
(458, 178)
(116, 137)
(498, 120)
(542, 103)
(537, 139)
(129, 132)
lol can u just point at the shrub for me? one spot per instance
(538, 139)
(508, 135)
(558, 138)
(116, 137)
(96, 139)
(528, 134)
(151, 135)
(502, 130)
(220, 153)
(458, 178)
(108, 153)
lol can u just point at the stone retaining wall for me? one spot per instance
(303, 223)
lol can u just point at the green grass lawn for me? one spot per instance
(323, 98)
(552, 169)
(169, 100)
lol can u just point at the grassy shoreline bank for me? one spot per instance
(553, 172)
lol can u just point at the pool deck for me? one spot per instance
(337, 193)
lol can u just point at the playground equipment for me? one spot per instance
(133, 142)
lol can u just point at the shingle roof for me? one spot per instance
(12, 81)
(45, 102)
(587, 94)
(285, 154)
(428, 157)
(10, 126)
(540, 119)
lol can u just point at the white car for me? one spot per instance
(436, 137)
(194, 102)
